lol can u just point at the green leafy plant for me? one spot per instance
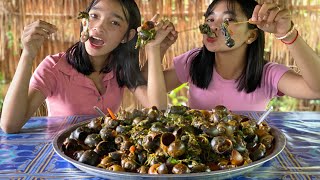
(175, 98)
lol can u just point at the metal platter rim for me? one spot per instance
(59, 138)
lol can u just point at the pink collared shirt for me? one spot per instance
(69, 92)
(224, 92)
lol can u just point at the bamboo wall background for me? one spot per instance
(185, 14)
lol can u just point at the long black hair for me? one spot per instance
(201, 68)
(124, 58)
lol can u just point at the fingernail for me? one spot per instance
(254, 18)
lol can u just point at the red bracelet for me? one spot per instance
(295, 38)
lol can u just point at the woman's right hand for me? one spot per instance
(34, 35)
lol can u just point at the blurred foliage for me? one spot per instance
(284, 103)
(10, 39)
(2, 81)
(315, 102)
(1, 103)
(10, 42)
(175, 98)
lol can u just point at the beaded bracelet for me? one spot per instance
(288, 33)
(295, 38)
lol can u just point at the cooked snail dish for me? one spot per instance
(227, 33)
(176, 141)
(205, 29)
(146, 33)
(84, 16)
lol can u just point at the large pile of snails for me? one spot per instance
(180, 140)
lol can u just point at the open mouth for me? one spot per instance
(96, 41)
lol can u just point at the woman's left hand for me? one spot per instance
(270, 17)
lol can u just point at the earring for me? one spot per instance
(123, 41)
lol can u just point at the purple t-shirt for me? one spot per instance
(69, 92)
(224, 92)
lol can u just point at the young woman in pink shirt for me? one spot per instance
(90, 73)
(238, 77)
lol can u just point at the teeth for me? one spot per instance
(97, 38)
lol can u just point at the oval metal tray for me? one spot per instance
(280, 143)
